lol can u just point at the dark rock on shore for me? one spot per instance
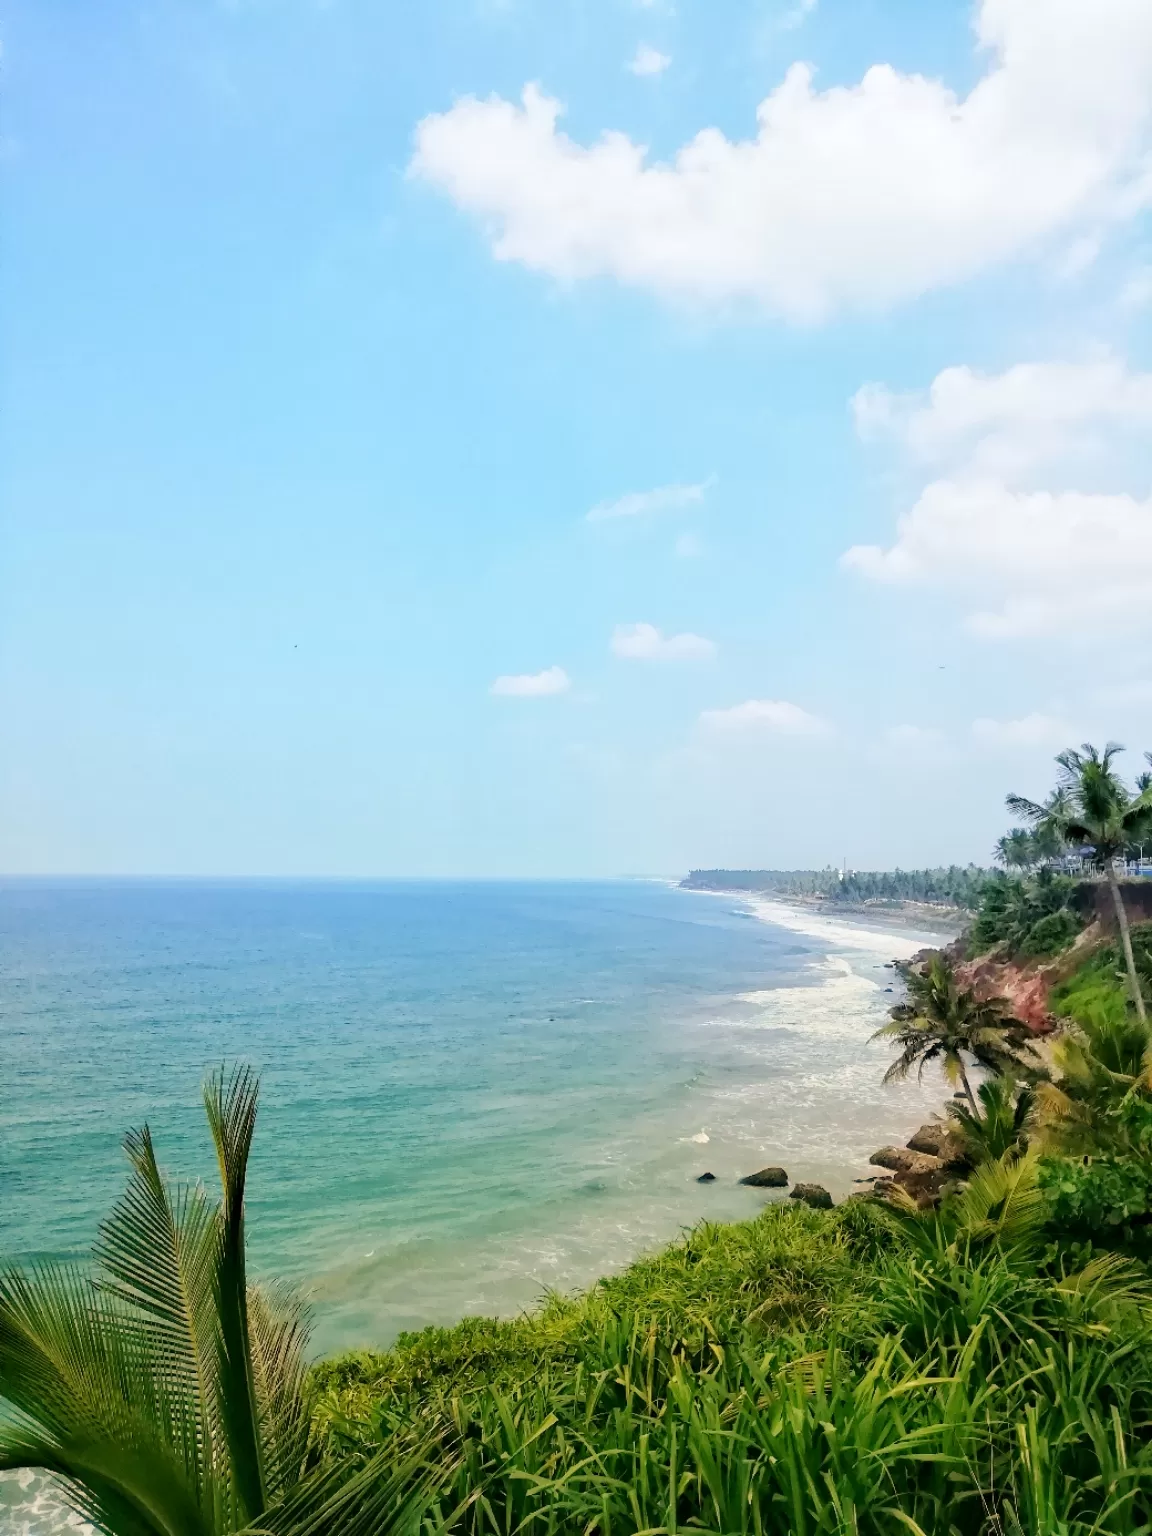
(814, 1195)
(767, 1178)
(927, 1139)
(937, 1140)
(901, 1160)
(706, 1178)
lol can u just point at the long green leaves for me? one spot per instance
(956, 1386)
(231, 1109)
(167, 1399)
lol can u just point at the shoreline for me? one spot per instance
(931, 919)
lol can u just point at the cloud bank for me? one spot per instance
(1017, 525)
(854, 197)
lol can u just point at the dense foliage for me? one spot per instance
(955, 886)
(1032, 917)
(851, 1371)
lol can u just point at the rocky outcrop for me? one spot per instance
(814, 1195)
(706, 1178)
(767, 1178)
(902, 1160)
(937, 1139)
(1025, 984)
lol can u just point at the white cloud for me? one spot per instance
(1008, 526)
(532, 685)
(649, 61)
(913, 737)
(1029, 731)
(644, 642)
(856, 196)
(765, 714)
(1012, 423)
(1041, 561)
(665, 498)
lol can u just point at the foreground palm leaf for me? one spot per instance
(165, 1394)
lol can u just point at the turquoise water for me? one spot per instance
(470, 1092)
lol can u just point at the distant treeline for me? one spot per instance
(955, 886)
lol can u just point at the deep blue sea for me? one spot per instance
(470, 1092)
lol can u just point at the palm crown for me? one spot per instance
(942, 1022)
(1093, 807)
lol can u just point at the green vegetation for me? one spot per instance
(1029, 917)
(952, 887)
(872, 1372)
(976, 1362)
(1092, 808)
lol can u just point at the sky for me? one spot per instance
(566, 437)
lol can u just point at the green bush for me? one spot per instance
(1103, 1201)
(1030, 916)
(1049, 935)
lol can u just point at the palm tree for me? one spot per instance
(1017, 850)
(1094, 808)
(164, 1392)
(1001, 1128)
(941, 1022)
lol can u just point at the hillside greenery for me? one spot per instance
(1031, 917)
(956, 886)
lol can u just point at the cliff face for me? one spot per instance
(1027, 984)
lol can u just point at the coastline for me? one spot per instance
(828, 1110)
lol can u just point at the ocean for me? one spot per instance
(471, 1092)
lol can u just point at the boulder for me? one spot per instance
(706, 1178)
(814, 1195)
(928, 1139)
(938, 1140)
(902, 1160)
(767, 1178)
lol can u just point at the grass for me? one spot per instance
(804, 1372)
(789, 1264)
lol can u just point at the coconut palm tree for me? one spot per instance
(165, 1393)
(943, 1022)
(1017, 850)
(1001, 1127)
(1094, 808)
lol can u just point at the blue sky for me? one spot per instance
(322, 341)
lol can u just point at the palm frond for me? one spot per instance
(1025, 809)
(160, 1256)
(280, 1327)
(230, 1105)
(1003, 1201)
(92, 1407)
